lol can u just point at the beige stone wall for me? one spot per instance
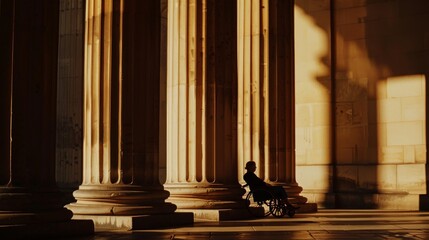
(378, 133)
(312, 96)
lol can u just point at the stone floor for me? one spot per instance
(325, 224)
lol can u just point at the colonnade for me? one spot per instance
(229, 99)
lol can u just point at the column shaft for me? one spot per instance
(266, 92)
(121, 117)
(27, 120)
(252, 83)
(280, 110)
(29, 197)
(201, 105)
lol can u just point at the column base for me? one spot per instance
(424, 202)
(72, 228)
(139, 222)
(219, 214)
(201, 215)
(307, 208)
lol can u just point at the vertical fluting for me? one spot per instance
(121, 111)
(28, 70)
(266, 91)
(201, 105)
(252, 81)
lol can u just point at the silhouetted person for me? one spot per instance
(255, 182)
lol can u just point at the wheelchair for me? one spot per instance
(262, 203)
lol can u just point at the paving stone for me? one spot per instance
(325, 224)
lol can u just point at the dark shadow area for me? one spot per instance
(69, 127)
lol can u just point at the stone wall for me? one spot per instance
(70, 95)
(312, 98)
(366, 94)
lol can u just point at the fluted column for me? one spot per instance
(252, 47)
(30, 203)
(281, 100)
(201, 108)
(266, 92)
(121, 187)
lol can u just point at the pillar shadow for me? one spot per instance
(370, 43)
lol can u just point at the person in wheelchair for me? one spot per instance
(254, 182)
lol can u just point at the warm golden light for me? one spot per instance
(401, 109)
(373, 153)
(313, 101)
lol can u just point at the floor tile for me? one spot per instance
(325, 224)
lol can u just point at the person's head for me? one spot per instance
(250, 166)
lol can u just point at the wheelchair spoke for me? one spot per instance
(262, 202)
(277, 207)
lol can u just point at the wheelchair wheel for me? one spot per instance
(290, 212)
(278, 207)
(259, 206)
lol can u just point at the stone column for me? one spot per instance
(266, 93)
(120, 187)
(30, 203)
(252, 82)
(201, 109)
